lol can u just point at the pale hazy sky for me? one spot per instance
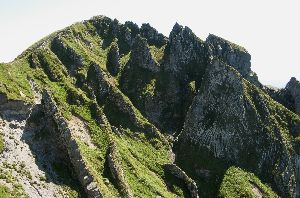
(268, 29)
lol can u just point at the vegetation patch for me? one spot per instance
(239, 183)
(14, 82)
(2, 143)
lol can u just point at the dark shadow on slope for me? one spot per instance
(175, 185)
(41, 135)
(200, 164)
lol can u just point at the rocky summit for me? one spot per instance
(105, 109)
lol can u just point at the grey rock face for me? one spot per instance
(185, 48)
(3, 98)
(113, 57)
(282, 96)
(293, 87)
(184, 61)
(152, 35)
(13, 108)
(237, 122)
(105, 91)
(233, 55)
(66, 54)
(288, 97)
(99, 81)
(33, 60)
(141, 56)
(126, 33)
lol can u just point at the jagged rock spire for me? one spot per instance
(152, 35)
(293, 87)
(185, 48)
(233, 55)
(112, 64)
(141, 55)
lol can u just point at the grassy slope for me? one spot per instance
(239, 183)
(13, 80)
(4, 192)
(142, 158)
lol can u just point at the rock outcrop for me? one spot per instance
(71, 145)
(180, 174)
(185, 50)
(141, 56)
(229, 116)
(117, 171)
(152, 35)
(293, 87)
(16, 108)
(288, 96)
(113, 57)
(233, 55)
(66, 54)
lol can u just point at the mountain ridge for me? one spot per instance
(119, 99)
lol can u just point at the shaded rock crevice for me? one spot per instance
(180, 174)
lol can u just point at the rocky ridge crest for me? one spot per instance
(133, 93)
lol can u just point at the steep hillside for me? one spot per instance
(239, 124)
(104, 109)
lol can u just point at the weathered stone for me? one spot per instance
(3, 98)
(99, 81)
(180, 174)
(293, 87)
(117, 171)
(84, 176)
(228, 117)
(288, 96)
(152, 36)
(141, 56)
(233, 55)
(66, 54)
(112, 64)
(185, 48)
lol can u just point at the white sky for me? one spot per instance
(268, 29)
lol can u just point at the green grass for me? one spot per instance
(4, 192)
(16, 190)
(157, 53)
(2, 143)
(13, 80)
(149, 88)
(239, 183)
(95, 158)
(142, 167)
